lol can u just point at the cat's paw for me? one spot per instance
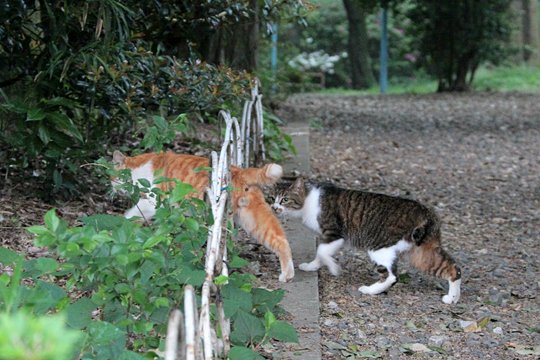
(365, 290)
(371, 290)
(288, 274)
(312, 266)
(449, 299)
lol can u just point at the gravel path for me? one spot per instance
(475, 158)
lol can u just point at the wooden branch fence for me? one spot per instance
(191, 334)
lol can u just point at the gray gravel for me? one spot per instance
(475, 158)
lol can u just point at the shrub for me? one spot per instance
(128, 277)
(25, 337)
(457, 37)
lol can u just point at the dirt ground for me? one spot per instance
(476, 159)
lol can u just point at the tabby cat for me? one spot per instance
(384, 225)
(253, 214)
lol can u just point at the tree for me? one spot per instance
(455, 37)
(530, 32)
(361, 74)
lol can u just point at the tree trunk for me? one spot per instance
(361, 74)
(531, 32)
(238, 48)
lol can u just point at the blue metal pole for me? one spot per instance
(383, 72)
(274, 55)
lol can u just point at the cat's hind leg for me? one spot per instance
(387, 258)
(284, 253)
(325, 253)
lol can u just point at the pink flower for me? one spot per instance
(410, 57)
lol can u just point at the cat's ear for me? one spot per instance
(118, 158)
(298, 185)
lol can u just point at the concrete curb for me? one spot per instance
(302, 294)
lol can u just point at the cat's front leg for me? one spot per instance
(325, 253)
(145, 208)
(454, 292)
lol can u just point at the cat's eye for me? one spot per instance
(285, 199)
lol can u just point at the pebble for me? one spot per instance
(332, 305)
(437, 340)
(498, 330)
(466, 323)
(328, 322)
(343, 325)
(383, 342)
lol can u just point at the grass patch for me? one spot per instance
(502, 79)
(519, 78)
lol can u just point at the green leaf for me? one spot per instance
(191, 276)
(202, 168)
(130, 355)
(122, 288)
(269, 320)
(65, 125)
(243, 353)
(35, 114)
(43, 134)
(235, 299)
(192, 224)
(45, 296)
(180, 191)
(114, 311)
(145, 183)
(46, 265)
(51, 220)
(79, 314)
(221, 279)
(161, 301)
(153, 241)
(37, 230)
(266, 300)
(248, 329)
(122, 259)
(160, 122)
(72, 249)
(237, 262)
(8, 256)
(105, 341)
(369, 354)
(104, 221)
(283, 331)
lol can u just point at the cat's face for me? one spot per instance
(119, 163)
(289, 198)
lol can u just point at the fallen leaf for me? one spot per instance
(414, 347)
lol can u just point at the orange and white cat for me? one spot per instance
(257, 218)
(249, 206)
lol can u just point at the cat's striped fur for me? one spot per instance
(384, 225)
(190, 169)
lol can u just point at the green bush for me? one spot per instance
(25, 337)
(130, 276)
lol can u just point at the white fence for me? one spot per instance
(191, 334)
